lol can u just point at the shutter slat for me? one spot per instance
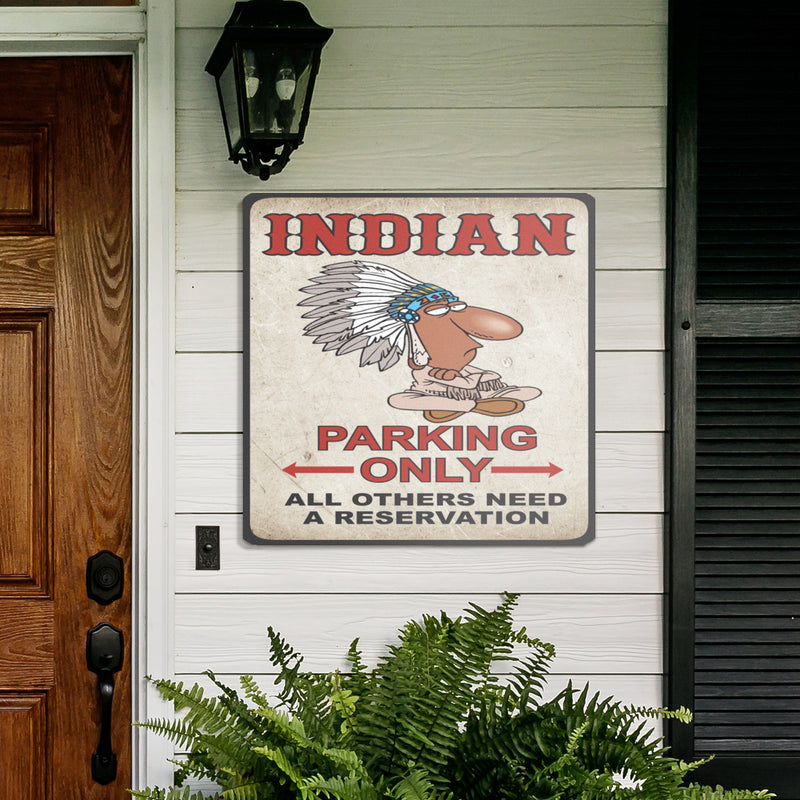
(745, 745)
(748, 695)
(776, 545)
(759, 474)
(767, 717)
(743, 500)
(762, 616)
(745, 638)
(734, 527)
(758, 491)
(734, 704)
(733, 678)
(775, 654)
(749, 568)
(755, 555)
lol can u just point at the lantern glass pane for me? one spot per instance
(276, 84)
(227, 90)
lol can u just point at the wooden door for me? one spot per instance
(65, 414)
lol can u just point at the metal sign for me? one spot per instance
(419, 368)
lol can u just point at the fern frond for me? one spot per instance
(282, 761)
(289, 661)
(416, 785)
(235, 708)
(528, 675)
(695, 792)
(209, 714)
(685, 767)
(346, 760)
(581, 739)
(305, 694)
(217, 731)
(167, 794)
(358, 669)
(284, 726)
(247, 791)
(178, 731)
(252, 691)
(422, 691)
(337, 788)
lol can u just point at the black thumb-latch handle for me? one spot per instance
(104, 647)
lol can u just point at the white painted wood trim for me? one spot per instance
(149, 38)
(156, 607)
(91, 24)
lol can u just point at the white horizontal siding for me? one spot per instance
(442, 13)
(617, 634)
(519, 95)
(440, 150)
(628, 311)
(629, 392)
(410, 68)
(209, 473)
(626, 553)
(208, 314)
(630, 228)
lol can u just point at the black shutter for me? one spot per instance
(747, 547)
(733, 544)
(748, 192)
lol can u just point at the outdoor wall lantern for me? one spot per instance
(265, 64)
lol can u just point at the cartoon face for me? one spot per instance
(382, 312)
(446, 330)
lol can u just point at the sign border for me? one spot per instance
(248, 535)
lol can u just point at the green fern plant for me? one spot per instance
(431, 721)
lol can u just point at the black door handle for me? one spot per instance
(104, 648)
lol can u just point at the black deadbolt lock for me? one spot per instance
(104, 577)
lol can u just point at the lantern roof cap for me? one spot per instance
(265, 21)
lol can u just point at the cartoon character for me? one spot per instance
(361, 305)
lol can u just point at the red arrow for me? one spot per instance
(551, 469)
(293, 469)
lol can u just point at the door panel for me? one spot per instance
(23, 450)
(25, 198)
(22, 723)
(65, 413)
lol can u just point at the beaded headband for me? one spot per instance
(405, 306)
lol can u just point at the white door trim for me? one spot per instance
(149, 37)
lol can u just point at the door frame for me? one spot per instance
(147, 34)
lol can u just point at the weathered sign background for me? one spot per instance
(419, 368)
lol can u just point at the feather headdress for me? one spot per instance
(361, 305)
